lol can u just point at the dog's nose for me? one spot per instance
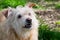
(28, 20)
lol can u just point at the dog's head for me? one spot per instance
(22, 18)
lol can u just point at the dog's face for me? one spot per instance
(22, 18)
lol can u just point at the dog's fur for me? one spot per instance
(13, 28)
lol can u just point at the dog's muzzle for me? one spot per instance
(28, 23)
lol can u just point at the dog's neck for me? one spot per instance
(22, 35)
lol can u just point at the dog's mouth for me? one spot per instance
(27, 26)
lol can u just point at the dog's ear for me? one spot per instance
(30, 5)
(6, 12)
(10, 11)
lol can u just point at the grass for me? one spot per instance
(57, 6)
(57, 22)
(14, 3)
(11, 3)
(46, 34)
(39, 7)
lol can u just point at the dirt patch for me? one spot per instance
(49, 17)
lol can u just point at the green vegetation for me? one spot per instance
(57, 6)
(11, 3)
(39, 7)
(57, 22)
(45, 32)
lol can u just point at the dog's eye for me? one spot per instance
(29, 14)
(19, 16)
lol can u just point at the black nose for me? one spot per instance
(28, 20)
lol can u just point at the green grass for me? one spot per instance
(46, 34)
(57, 22)
(39, 7)
(14, 3)
(11, 3)
(57, 6)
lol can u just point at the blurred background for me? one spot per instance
(48, 14)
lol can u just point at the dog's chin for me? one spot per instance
(27, 26)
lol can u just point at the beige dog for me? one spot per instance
(21, 24)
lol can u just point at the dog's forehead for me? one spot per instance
(15, 11)
(25, 10)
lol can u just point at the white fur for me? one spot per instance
(18, 24)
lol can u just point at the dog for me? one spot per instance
(21, 24)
